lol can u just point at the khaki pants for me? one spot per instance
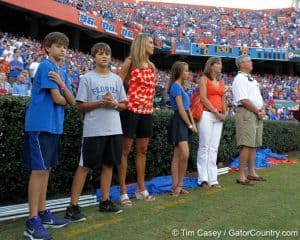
(249, 128)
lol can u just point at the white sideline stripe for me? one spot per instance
(48, 203)
(21, 210)
(60, 209)
(16, 211)
(24, 210)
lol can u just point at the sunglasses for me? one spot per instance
(250, 78)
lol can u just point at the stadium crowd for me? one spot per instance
(278, 28)
(20, 56)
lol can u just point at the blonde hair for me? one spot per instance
(138, 52)
(176, 71)
(207, 69)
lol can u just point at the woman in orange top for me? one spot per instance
(4, 66)
(137, 118)
(211, 123)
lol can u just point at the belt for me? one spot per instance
(210, 111)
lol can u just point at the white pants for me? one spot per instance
(210, 130)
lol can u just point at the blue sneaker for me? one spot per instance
(51, 221)
(35, 230)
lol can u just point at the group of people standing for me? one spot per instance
(118, 110)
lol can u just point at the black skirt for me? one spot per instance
(177, 129)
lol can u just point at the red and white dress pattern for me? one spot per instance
(141, 90)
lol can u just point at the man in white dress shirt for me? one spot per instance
(34, 66)
(249, 118)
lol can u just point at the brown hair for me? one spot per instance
(207, 69)
(176, 71)
(56, 37)
(100, 47)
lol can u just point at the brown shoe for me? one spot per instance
(254, 178)
(216, 186)
(246, 182)
(204, 185)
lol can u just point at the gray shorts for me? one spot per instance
(249, 128)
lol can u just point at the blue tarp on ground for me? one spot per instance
(163, 184)
(261, 160)
(155, 186)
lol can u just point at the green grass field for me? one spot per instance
(234, 212)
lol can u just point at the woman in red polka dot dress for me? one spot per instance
(137, 118)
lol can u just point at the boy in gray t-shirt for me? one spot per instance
(100, 96)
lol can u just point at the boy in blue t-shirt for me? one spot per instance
(100, 96)
(43, 124)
